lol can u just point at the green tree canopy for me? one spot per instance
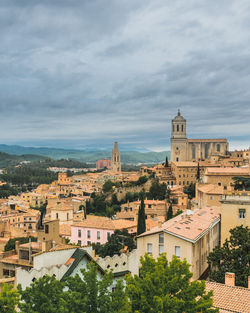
(107, 186)
(157, 191)
(9, 298)
(170, 212)
(233, 256)
(166, 287)
(241, 183)
(10, 245)
(141, 223)
(115, 243)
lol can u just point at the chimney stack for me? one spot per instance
(230, 279)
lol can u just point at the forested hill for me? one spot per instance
(86, 155)
(7, 160)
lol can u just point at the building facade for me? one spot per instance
(184, 149)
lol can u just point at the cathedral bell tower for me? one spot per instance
(178, 139)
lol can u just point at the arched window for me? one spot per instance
(182, 128)
(173, 127)
(177, 127)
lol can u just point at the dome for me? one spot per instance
(179, 117)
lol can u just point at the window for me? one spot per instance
(218, 147)
(89, 234)
(108, 236)
(79, 233)
(88, 243)
(46, 229)
(30, 226)
(79, 242)
(219, 183)
(30, 218)
(242, 213)
(178, 251)
(177, 127)
(57, 216)
(149, 248)
(149, 206)
(182, 128)
(161, 248)
(161, 238)
(25, 218)
(98, 235)
(211, 197)
(177, 159)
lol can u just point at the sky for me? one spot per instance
(82, 73)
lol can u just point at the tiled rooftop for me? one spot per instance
(230, 298)
(188, 226)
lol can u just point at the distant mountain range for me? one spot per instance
(88, 156)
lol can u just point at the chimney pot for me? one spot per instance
(230, 279)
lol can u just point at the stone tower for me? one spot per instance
(178, 139)
(116, 159)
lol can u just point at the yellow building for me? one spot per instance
(191, 235)
(186, 172)
(235, 211)
(208, 195)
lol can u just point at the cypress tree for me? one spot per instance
(170, 212)
(166, 163)
(198, 172)
(141, 224)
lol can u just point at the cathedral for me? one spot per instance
(184, 149)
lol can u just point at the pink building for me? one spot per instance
(97, 229)
(103, 163)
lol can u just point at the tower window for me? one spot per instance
(218, 147)
(173, 128)
(177, 127)
(182, 128)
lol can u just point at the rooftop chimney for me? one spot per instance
(230, 279)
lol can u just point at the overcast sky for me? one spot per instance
(88, 72)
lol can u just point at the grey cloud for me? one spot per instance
(82, 71)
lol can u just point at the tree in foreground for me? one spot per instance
(166, 287)
(9, 298)
(233, 256)
(45, 295)
(141, 223)
(90, 294)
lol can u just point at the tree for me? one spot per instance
(107, 186)
(115, 243)
(166, 162)
(9, 298)
(170, 212)
(198, 174)
(142, 180)
(10, 245)
(166, 287)
(45, 295)
(90, 293)
(141, 224)
(157, 191)
(241, 183)
(190, 191)
(233, 256)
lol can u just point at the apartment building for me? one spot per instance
(191, 235)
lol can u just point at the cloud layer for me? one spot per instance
(94, 71)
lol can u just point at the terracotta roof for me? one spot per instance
(102, 222)
(34, 245)
(188, 226)
(230, 298)
(211, 189)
